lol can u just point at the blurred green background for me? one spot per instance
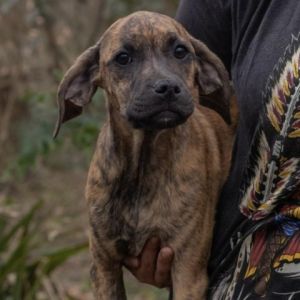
(43, 222)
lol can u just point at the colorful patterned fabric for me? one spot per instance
(270, 191)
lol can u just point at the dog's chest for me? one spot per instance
(159, 204)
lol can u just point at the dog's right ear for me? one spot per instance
(78, 86)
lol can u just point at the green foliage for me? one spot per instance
(21, 273)
(34, 134)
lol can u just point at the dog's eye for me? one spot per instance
(123, 58)
(180, 52)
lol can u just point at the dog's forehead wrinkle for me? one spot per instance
(150, 26)
(142, 30)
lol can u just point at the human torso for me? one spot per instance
(257, 222)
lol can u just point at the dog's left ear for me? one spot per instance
(78, 86)
(213, 80)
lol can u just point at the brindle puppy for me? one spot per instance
(161, 158)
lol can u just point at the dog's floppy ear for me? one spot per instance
(213, 80)
(78, 86)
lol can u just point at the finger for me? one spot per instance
(131, 262)
(149, 255)
(162, 275)
(148, 261)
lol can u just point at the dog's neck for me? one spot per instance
(137, 146)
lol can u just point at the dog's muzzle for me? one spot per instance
(165, 104)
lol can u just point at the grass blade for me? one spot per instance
(23, 223)
(58, 257)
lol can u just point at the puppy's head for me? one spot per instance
(152, 71)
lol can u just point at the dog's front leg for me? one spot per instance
(189, 273)
(187, 285)
(107, 278)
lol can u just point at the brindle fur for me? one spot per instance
(147, 182)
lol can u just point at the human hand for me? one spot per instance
(153, 265)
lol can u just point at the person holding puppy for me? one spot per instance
(256, 247)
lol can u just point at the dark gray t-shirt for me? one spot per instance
(256, 247)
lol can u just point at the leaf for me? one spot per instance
(58, 257)
(16, 259)
(23, 223)
(3, 224)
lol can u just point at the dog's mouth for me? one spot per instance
(159, 117)
(166, 119)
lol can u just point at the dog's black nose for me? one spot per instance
(166, 87)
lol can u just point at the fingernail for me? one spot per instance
(166, 252)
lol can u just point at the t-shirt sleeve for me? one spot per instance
(210, 22)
